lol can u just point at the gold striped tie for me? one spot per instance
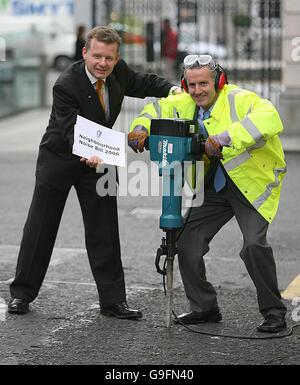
(100, 92)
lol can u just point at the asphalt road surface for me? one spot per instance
(65, 326)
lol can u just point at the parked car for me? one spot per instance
(35, 36)
(129, 34)
(133, 49)
(189, 45)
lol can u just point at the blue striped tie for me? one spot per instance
(203, 130)
(219, 178)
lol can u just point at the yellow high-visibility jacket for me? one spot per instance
(255, 159)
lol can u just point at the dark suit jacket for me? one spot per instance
(73, 94)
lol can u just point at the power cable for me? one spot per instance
(232, 336)
(287, 334)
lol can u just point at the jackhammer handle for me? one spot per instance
(159, 253)
(146, 143)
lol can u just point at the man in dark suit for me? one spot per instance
(77, 92)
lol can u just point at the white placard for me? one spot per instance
(92, 139)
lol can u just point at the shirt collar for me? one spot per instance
(201, 110)
(91, 77)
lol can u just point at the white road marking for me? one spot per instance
(3, 310)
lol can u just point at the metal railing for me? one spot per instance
(246, 36)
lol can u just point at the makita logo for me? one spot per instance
(165, 154)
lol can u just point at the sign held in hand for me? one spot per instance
(92, 139)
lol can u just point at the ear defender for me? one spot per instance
(184, 84)
(221, 78)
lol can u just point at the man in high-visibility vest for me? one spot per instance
(244, 168)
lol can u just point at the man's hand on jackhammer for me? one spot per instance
(137, 137)
(214, 144)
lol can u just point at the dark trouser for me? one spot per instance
(202, 225)
(101, 234)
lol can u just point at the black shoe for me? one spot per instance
(18, 306)
(272, 324)
(120, 310)
(195, 317)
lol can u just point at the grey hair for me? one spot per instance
(213, 66)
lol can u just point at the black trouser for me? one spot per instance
(202, 225)
(101, 235)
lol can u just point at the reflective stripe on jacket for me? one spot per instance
(255, 160)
